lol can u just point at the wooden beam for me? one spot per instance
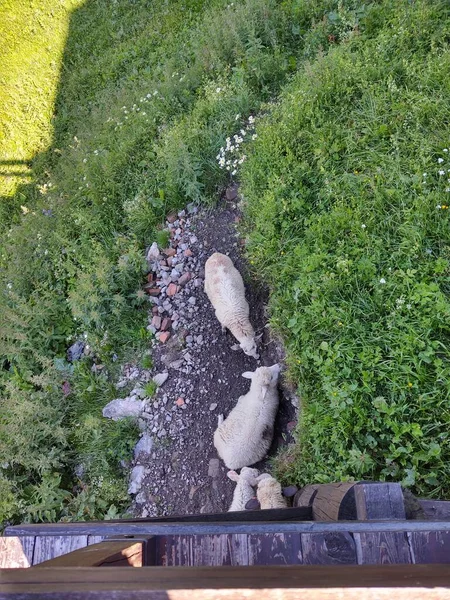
(106, 528)
(376, 501)
(47, 548)
(404, 582)
(125, 553)
(436, 509)
(327, 504)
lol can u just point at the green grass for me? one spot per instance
(351, 234)
(123, 122)
(147, 93)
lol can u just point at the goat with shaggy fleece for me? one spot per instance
(245, 436)
(225, 289)
(243, 492)
(269, 492)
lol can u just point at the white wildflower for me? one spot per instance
(254, 136)
(234, 172)
(237, 117)
(218, 90)
(363, 226)
(440, 160)
(382, 280)
(441, 172)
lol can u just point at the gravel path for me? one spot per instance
(176, 469)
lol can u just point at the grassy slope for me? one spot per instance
(348, 218)
(148, 93)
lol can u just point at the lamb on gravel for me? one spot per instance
(245, 436)
(243, 492)
(225, 290)
(269, 492)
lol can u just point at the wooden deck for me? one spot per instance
(381, 548)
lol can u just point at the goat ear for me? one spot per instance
(248, 375)
(233, 476)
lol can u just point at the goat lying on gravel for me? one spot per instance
(269, 492)
(245, 436)
(243, 492)
(225, 290)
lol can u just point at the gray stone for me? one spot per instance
(136, 479)
(75, 352)
(144, 445)
(160, 378)
(214, 468)
(123, 407)
(192, 300)
(213, 406)
(153, 252)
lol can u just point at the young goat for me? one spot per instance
(269, 493)
(245, 436)
(243, 491)
(225, 290)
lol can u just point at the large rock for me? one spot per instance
(136, 479)
(75, 352)
(122, 408)
(144, 445)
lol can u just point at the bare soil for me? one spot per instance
(183, 473)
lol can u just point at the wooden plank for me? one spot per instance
(48, 547)
(328, 549)
(403, 582)
(95, 539)
(275, 549)
(305, 496)
(246, 516)
(379, 501)
(16, 552)
(326, 503)
(382, 548)
(108, 529)
(436, 509)
(124, 553)
(430, 547)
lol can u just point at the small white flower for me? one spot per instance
(254, 136)
(228, 168)
(440, 160)
(237, 117)
(363, 226)
(218, 90)
(408, 306)
(445, 150)
(441, 172)
(234, 172)
(242, 131)
(438, 206)
(382, 280)
(85, 160)
(155, 93)
(9, 286)
(447, 189)
(425, 174)
(251, 119)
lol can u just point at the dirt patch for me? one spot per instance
(182, 472)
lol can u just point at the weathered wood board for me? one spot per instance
(431, 547)
(231, 550)
(16, 552)
(328, 549)
(382, 548)
(47, 547)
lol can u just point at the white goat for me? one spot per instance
(225, 289)
(243, 492)
(269, 492)
(245, 436)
